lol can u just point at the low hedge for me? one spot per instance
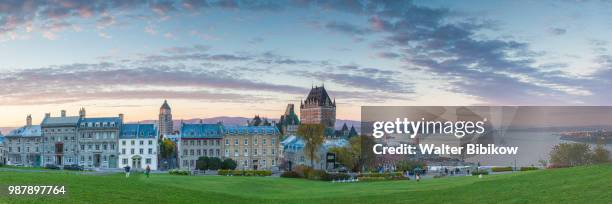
(179, 172)
(501, 169)
(529, 168)
(481, 172)
(381, 176)
(335, 176)
(244, 173)
(369, 179)
(290, 174)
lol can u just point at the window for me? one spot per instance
(205, 142)
(199, 142)
(255, 141)
(246, 141)
(122, 151)
(132, 151)
(141, 151)
(273, 141)
(246, 152)
(255, 152)
(150, 142)
(148, 161)
(97, 147)
(82, 147)
(199, 152)
(150, 150)
(226, 141)
(236, 141)
(133, 142)
(113, 146)
(141, 142)
(264, 151)
(210, 151)
(273, 151)
(218, 152)
(236, 152)
(191, 152)
(264, 141)
(125, 161)
(88, 146)
(104, 146)
(123, 142)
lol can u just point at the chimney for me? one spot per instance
(63, 113)
(47, 115)
(121, 117)
(29, 120)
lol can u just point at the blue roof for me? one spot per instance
(138, 131)
(1, 139)
(201, 131)
(235, 129)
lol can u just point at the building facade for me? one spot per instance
(165, 119)
(60, 145)
(2, 150)
(22, 145)
(98, 140)
(138, 147)
(253, 147)
(318, 108)
(199, 140)
(289, 121)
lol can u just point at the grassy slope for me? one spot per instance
(592, 184)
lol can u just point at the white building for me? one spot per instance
(138, 146)
(23, 145)
(2, 154)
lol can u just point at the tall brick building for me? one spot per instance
(318, 108)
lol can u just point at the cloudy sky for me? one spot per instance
(240, 58)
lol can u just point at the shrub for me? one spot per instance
(384, 176)
(528, 168)
(304, 171)
(290, 174)
(202, 163)
(229, 164)
(555, 166)
(244, 173)
(73, 167)
(481, 172)
(179, 172)
(501, 169)
(439, 176)
(335, 176)
(51, 166)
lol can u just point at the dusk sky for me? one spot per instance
(241, 58)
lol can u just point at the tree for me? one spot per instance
(167, 148)
(202, 163)
(214, 163)
(312, 134)
(229, 164)
(410, 165)
(600, 154)
(573, 154)
(351, 155)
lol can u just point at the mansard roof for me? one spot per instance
(318, 95)
(61, 121)
(201, 131)
(26, 131)
(251, 130)
(138, 131)
(115, 121)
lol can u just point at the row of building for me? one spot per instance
(108, 142)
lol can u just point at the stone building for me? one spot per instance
(138, 147)
(22, 145)
(98, 141)
(289, 121)
(2, 150)
(318, 108)
(199, 140)
(165, 125)
(253, 147)
(60, 145)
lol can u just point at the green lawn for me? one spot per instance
(577, 185)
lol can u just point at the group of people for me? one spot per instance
(127, 170)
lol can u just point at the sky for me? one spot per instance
(241, 58)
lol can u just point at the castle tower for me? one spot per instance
(82, 113)
(29, 120)
(318, 108)
(165, 119)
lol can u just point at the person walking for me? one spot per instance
(127, 171)
(418, 176)
(147, 171)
